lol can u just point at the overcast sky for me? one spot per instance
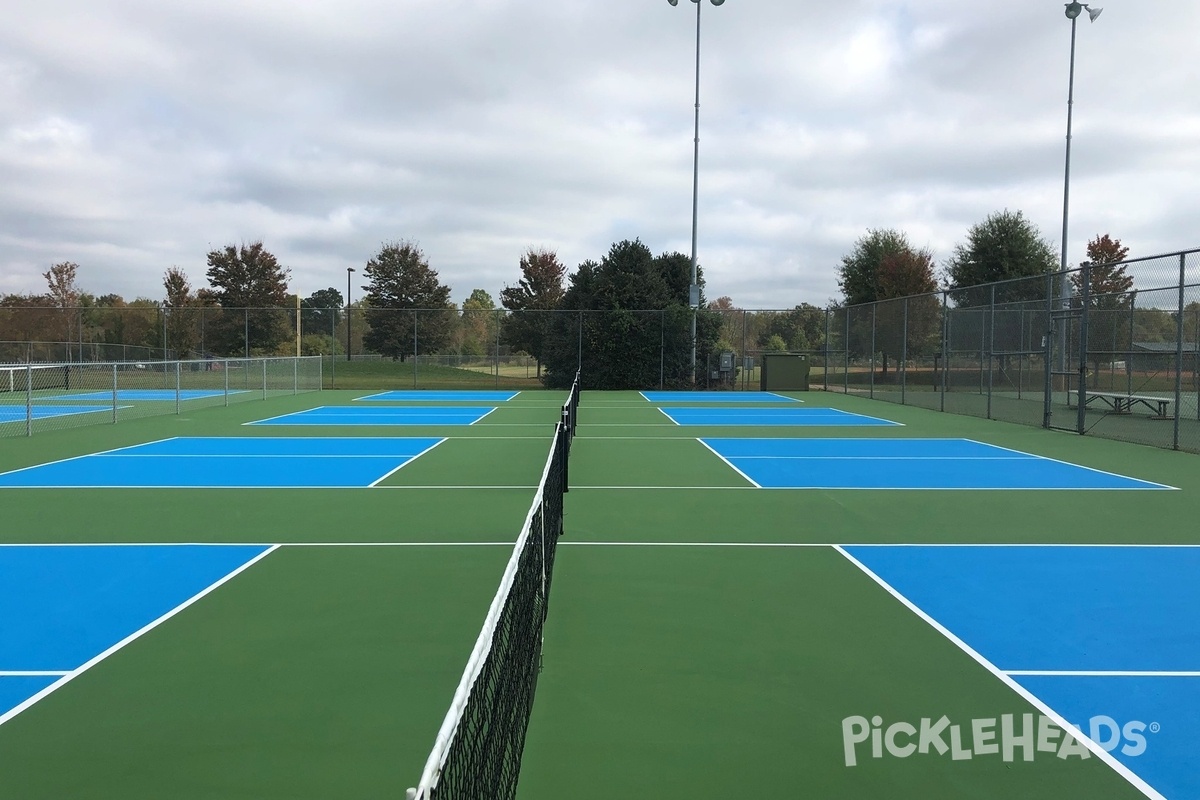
(136, 135)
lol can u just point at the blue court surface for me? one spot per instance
(385, 415)
(1107, 637)
(148, 395)
(17, 413)
(808, 417)
(718, 397)
(64, 607)
(231, 462)
(905, 464)
(442, 397)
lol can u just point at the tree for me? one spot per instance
(632, 324)
(859, 275)
(883, 266)
(1003, 247)
(533, 301)
(64, 293)
(401, 283)
(181, 312)
(774, 344)
(319, 312)
(27, 319)
(1106, 274)
(248, 277)
(479, 325)
(1110, 299)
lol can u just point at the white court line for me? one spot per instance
(257, 455)
(403, 464)
(1096, 750)
(880, 458)
(625, 488)
(565, 542)
(358, 486)
(469, 424)
(753, 545)
(662, 411)
(281, 416)
(1148, 488)
(621, 424)
(729, 464)
(508, 543)
(1042, 673)
(1077, 466)
(20, 673)
(75, 673)
(85, 455)
(1021, 544)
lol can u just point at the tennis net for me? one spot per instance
(477, 753)
(34, 377)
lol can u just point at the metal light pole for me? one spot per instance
(694, 288)
(348, 271)
(1073, 11)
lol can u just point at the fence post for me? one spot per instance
(991, 349)
(874, 314)
(828, 314)
(114, 394)
(579, 354)
(498, 321)
(225, 369)
(28, 398)
(178, 387)
(1179, 350)
(662, 345)
(945, 347)
(1085, 280)
(846, 353)
(415, 348)
(264, 363)
(1048, 355)
(904, 356)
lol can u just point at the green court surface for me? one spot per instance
(705, 639)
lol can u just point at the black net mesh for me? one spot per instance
(482, 756)
(34, 377)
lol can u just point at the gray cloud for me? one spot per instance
(135, 135)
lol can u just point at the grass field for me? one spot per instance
(706, 638)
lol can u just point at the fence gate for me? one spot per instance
(1066, 362)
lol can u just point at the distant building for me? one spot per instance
(1160, 356)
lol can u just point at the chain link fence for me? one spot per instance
(1105, 350)
(56, 396)
(1109, 350)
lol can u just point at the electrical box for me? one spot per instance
(784, 372)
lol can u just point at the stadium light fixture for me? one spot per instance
(694, 288)
(1073, 10)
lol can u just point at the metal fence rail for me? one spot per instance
(43, 397)
(1108, 358)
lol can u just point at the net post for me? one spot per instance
(542, 636)
(560, 443)
(28, 399)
